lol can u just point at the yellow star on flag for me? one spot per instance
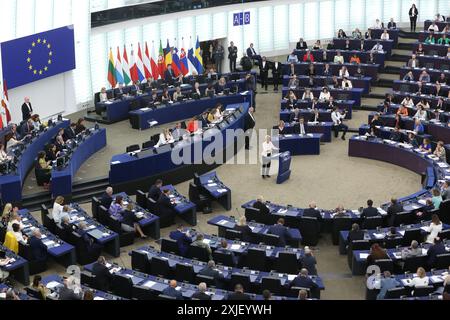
(30, 67)
(49, 46)
(29, 51)
(46, 68)
(33, 44)
(50, 61)
(39, 41)
(40, 71)
(50, 53)
(29, 59)
(35, 71)
(44, 41)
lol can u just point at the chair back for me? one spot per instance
(223, 258)
(410, 235)
(95, 203)
(385, 265)
(132, 148)
(122, 286)
(340, 224)
(139, 261)
(241, 279)
(422, 291)
(141, 199)
(253, 214)
(256, 259)
(143, 293)
(103, 215)
(272, 284)
(233, 234)
(170, 246)
(210, 282)
(184, 273)
(442, 261)
(198, 253)
(396, 293)
(413, 263)
(404, 218)
(159, 267)
(269, 239)
(310, 230)
(371, 223)
(287, 262)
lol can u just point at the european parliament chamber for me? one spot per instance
(225, 150)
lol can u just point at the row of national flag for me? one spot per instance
(142, 65)
(5, 115)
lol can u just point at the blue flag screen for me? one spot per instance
(37, 57)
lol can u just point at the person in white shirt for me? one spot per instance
(64, 214)
(338, 125)
(267, 149)
(58, 209)
(292, 58)
(421, 114)
(11, 142)
(165, 138)
(421, 280)
(378, 24)
(407, 101)
(103, 95)
(3, 155)
(324, 95)
(385, 35)
(307, 94)
(378, 47)
(15, 219)
(301, 124)
(433, 27)
(346, 84)
(338, 58)
(18, 234)
(439, 18)
(434, 228)
(343, 72)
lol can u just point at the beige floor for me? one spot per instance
(330, 179)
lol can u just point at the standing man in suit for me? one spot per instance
(169, 75)
(171, 290)
(103, 278)
(251, 53)
(182, 238)
(277, 69)
(155, 190)
(370, 211)
(37, 247)
(249, 124)
(301, 44)
(27, 110)
(232, 56)
(201, 293)
(312, 211)
(259, 204)
(218, 54)
(264, 72)
(281, 231)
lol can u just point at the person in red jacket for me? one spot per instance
(308, 57)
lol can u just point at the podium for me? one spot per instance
(284, 167)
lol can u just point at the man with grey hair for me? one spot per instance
(37, 247)
(445, 193)
(107, 199)
(27, 110)
(261, 206)
(201, 293)
(312, 211)
(412, 251)
(303, 281)
(211, 271)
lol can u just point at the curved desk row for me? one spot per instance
(347, 54)
(11, 185)
(354, 94)
(140, 119)
(344, 105)
(357, 82)
(439, 63)
(432, 100)
(370, 70)
(18, 267)
(432, 49)
(413, 86)
(138, 170)
(434, 73)
(339, 43)
(62, 180)
(441, 24)
(393, 34)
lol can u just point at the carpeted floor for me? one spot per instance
(329, 179)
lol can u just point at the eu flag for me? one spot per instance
(39, 56)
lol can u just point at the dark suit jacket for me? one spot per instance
(303, 282)
(392, 25)
(250, 52)
(67, 294)
(154, 192)
(433, 251)
(395, 208)
(246, 232)
(369, 212)
(282, 232)
(183, 241)
(238, 296)
(26, 112)
(69, 134)
(209, 272)
(264, 70)
(301, 45)
(168, 77)
(261, 207)
(249, 123)
(355, 235)
(232, 53)
(164, 206)
(276, 71)
(201, 296)
(106, 200)
(103, 278)
(310, 212)
(171, 292)
(38, 249)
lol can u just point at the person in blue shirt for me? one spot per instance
(418, 127)
(116, 207)
(303, 281)
(386, 283)
(171, 291)
(182, 238)
(281, 231)
(425, 146)
(437, 198)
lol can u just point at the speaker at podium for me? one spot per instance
(284, 166)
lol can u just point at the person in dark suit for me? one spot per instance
(309, 262)
(238, 293)
(312, 211)
(264, 72)
(355, 233)
(37, 247)
(201, 293)
(182, 238)
(245, 230)
(249, 124)
(171, 290)
(106, 198)
(27, 109)
(251, 53)
(281, 128)
(232, 56)
(103, 278)
(277, 71)
(396, 135)
(392, 210)
(155, 190)
(65, 293)
(303, 280)
(80, 126)
(211, 271)
(259, 204)
(224, 249)
(437, 248)
(164, 206)
(370, 211)
(69, 133)
(281, 231)
(169, 75)
(392, 24)
(90, 245)
(301, 44)
(27, 128)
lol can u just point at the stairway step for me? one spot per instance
(406, 46)
(399, 58)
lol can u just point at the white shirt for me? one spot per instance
(324, 96)
(422, 115)
(103, 97)
(302, 129)
(293, 58)
(346, 84)
(57, 212)
(11, 143)
(307, 96)
(435, 28)
(343, 74)
(419, 282)
(163, 140)
(434, 231)
(338, 59)
(377, 25)
(9, 228)
(3, 155)
(267, 148)
(384, 36)
(377, 47)
(337, 117)
(408, 103)
(19, 237)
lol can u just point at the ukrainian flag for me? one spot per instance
(198, 58)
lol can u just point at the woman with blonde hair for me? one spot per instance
(421, 280)
(245, 230)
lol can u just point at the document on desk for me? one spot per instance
(52, 285)
(425, 228)
(49, 243)
(222, 190)
(115, 162)
(282, 211)
(378, 235)
(99, 298)
(442, 165)
(402, 232)
(437, 279)
(382, 212)
(406, 282)
(397, 255)
(222, 222)
(288, 135)
(144, 109)
(149, 284)
(207, 241)
(363, 255)
(235, 247)
(212, 184)
(422, 201)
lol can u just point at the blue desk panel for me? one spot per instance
(308, 144)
